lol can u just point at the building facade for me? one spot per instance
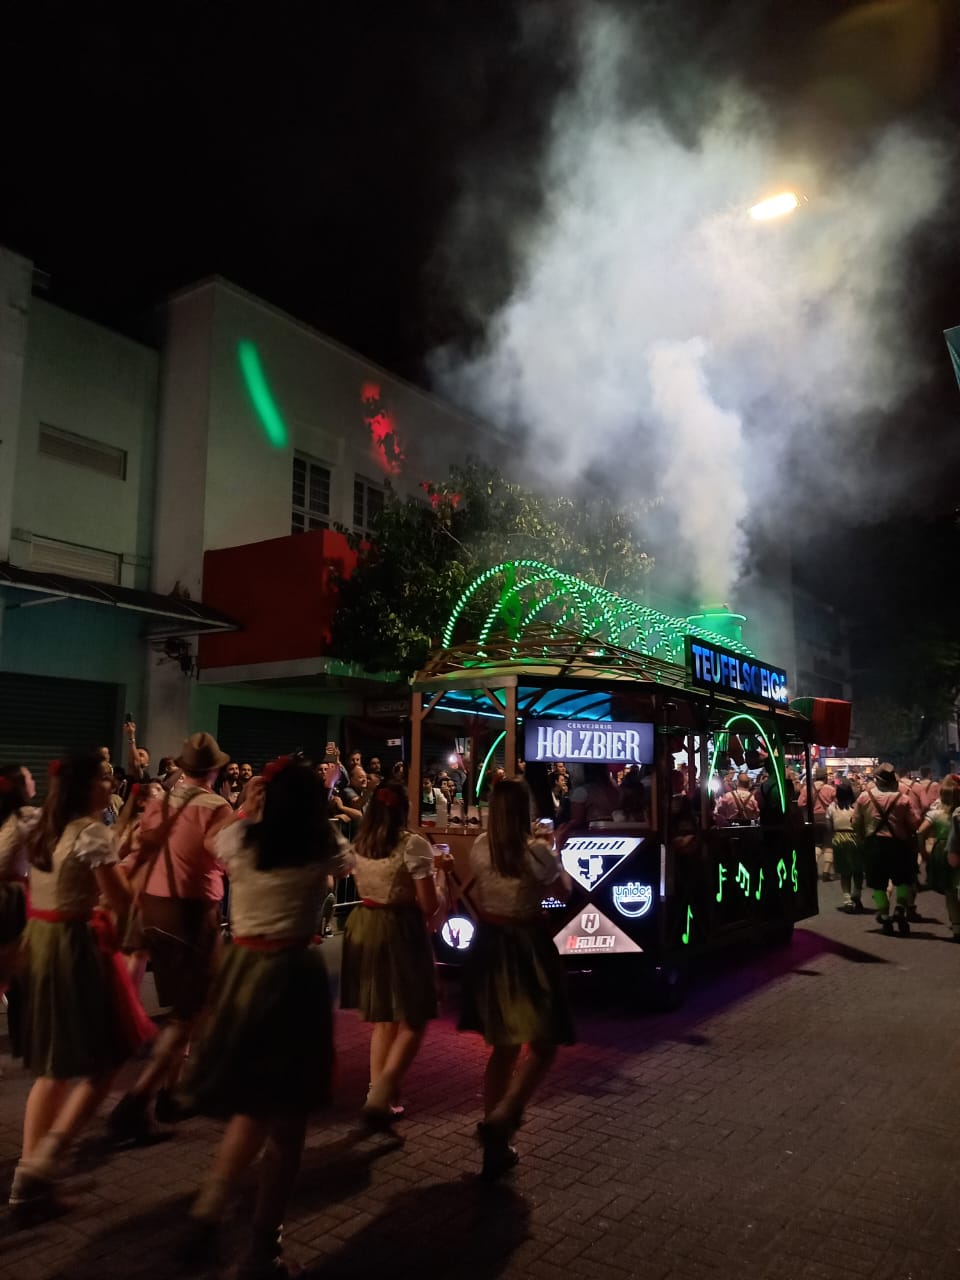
(167, 517)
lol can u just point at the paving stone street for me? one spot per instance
(796, 1118)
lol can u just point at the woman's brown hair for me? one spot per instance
(68, 798)
(508, 827)
(385, 818)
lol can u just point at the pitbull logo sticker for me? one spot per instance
(588, 859)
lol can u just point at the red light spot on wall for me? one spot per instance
(385, 444)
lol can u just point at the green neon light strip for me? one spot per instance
(261, 395)
(488, 758)
(772, 750)
(596, 610)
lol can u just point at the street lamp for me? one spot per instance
(775, 206)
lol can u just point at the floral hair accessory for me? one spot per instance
(388, 797)
(53, 769)
(271, 770)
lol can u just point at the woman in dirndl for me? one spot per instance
(78, 1021)
(265, 1060)
(942, 875)
(17, 818)
(387, 969)
(847, 853)
(514, 988)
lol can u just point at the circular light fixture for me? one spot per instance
(458, 932)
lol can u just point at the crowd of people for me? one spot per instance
(885, 830)
(113, 873)
(86, 901)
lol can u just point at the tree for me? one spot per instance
(423, 552)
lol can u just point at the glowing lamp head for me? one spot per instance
(775, 206)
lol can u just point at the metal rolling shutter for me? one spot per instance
(42, 718)
(255, 735)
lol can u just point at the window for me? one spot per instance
(311, 495)
(82, 451)
(72, 561)
(367, 504)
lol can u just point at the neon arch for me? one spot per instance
(528, 587)
(773, 748)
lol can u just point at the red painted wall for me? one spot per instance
(281, 591)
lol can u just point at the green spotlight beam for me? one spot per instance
(260, 394)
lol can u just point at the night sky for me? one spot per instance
(318, 164)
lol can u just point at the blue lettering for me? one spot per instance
(697, 652)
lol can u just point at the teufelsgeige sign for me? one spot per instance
(713, 668)
(605, 742)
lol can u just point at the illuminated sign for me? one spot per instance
(551, 904)
(600, 741)
(633, 899)
(589, 858)
(591, 933)
(457, 932)
(710, 667)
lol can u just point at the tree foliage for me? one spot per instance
(423, 552)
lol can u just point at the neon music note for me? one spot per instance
(722, 875)
(685, 936)
(793, 873)
(759, 885)
(781, 873)
(743, 878)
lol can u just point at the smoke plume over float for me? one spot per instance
(658, 336)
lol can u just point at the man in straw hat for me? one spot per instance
(180, 904)
(885, 824)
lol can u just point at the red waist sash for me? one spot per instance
(258, 942)
(56, 917)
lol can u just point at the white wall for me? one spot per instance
(317, 387)
(85, 379)
(183, 427)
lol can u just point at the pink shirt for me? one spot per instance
(867, 819)
(196, 871)
(736, 806)
(823, 797)
(928, 792)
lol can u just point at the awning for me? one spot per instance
(166, 616)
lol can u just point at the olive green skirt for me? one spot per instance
(941, 877)
(267, 1044)
(514, 987)
(387, 969)
(65, 1025)
(847, 854)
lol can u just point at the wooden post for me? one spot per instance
(510, 725)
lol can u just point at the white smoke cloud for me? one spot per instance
(656, 332)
